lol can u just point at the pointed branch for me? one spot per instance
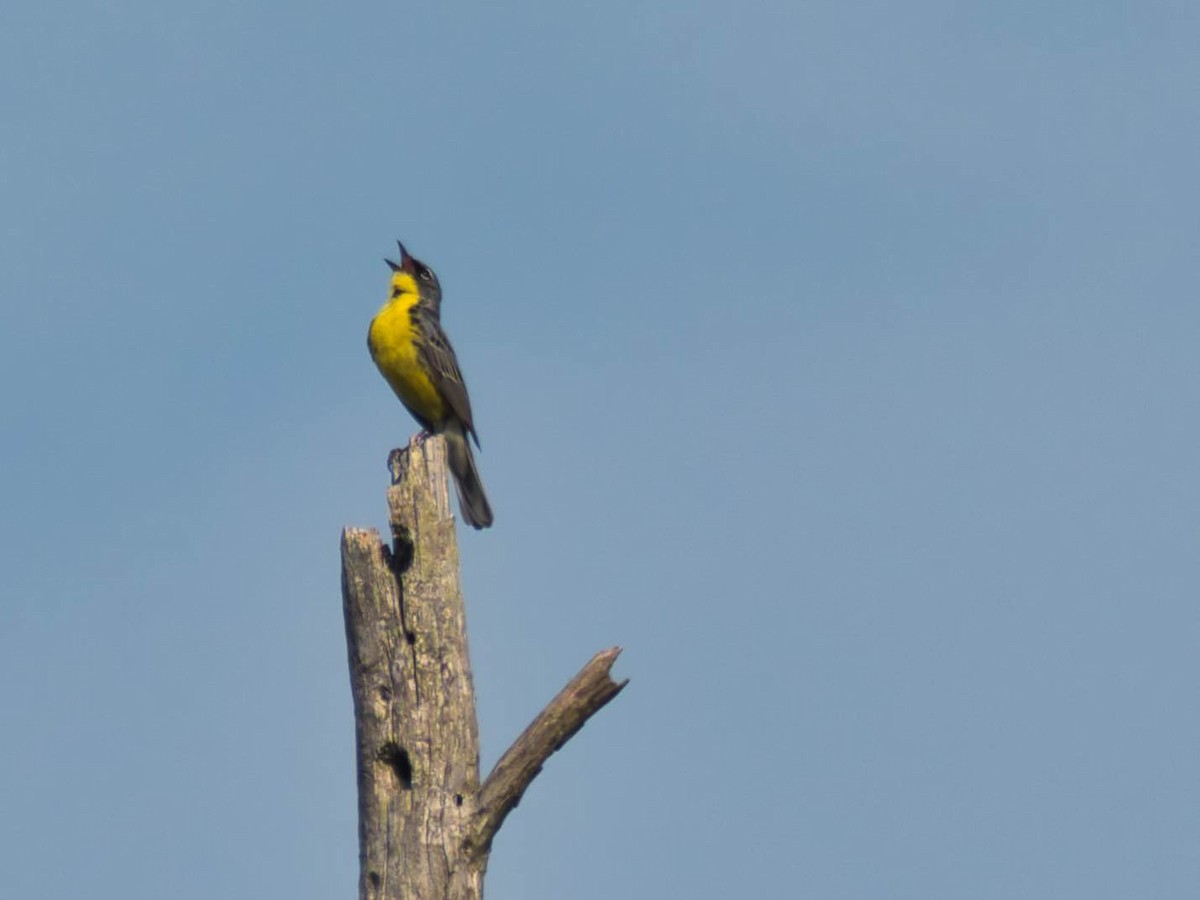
(584, 696)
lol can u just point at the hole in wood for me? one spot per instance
(410, 637)
(375, 880)
(458, 799)
(400, 557)
(396, 758)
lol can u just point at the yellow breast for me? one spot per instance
(392, 340)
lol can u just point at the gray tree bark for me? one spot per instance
(426, 823)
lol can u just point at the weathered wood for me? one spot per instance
(414, 703)
(582, 698)
(425, 826)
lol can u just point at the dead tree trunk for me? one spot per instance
(425, 823)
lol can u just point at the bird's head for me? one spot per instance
(411, 276)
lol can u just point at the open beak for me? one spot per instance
(405, 264)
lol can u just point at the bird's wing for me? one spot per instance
(438, 356)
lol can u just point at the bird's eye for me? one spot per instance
(426, 274)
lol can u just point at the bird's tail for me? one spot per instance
(472, 501)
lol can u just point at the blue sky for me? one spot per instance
(836, 360)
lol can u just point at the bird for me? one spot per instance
(416, 359)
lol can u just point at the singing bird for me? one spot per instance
(415, 357)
